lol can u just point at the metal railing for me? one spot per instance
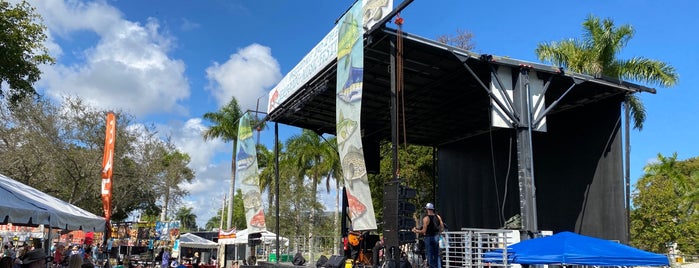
(466, 248)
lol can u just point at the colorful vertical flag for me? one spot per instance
(246, 170)
(107, 168)
(350, 83)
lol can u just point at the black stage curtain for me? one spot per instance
(578, 172)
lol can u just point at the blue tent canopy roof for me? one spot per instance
(575, 249)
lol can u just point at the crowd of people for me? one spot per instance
(68, 257)
(33, 256)
(167, 261)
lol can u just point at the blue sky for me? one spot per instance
(170, 61)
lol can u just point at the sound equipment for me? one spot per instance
(336, 262)
(321, 261)
(298, 259)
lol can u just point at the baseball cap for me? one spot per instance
(34, 255)
(429, 206)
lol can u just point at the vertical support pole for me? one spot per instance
(276, 182)
(627, 166)
(525, 156)
(391, 232)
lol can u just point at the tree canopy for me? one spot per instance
(59, 150)
(596, 54)
(665, 209)
(22, 50)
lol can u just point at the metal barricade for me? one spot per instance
(466, 248)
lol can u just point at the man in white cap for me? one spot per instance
(432, 226)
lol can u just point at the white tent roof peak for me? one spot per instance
(190, 240)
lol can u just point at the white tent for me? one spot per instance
(22, 204)
(189, 240)
(241, 237)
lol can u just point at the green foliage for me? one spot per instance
(239, 221)
(59, 150)
(187, 219)
(596, 54)
(416, 168)
(238, 215)
(22, 50)
(225, 127)
(664, 206)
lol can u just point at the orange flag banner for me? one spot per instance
(107, 167)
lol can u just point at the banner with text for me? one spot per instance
(107, 166)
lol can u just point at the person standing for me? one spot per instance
(196, 260)
(58, 256)
(432, 226)
(165, 262)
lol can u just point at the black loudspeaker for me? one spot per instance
(321, 261)
(299, 259)
(372, 155)
(336, 262)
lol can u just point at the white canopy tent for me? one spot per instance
(241, 237)
(189, 240)
(22, 204)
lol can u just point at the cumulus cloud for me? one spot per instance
(213, 175)
(187, 137)
(127, 68)
(207, 191)
(247, 75)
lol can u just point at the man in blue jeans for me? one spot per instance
(432, 226)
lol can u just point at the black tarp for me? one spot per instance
(577, 170)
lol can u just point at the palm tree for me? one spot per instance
(226, 127)
(596, 54)
(187, 219)
(265, 160)
(314, 156)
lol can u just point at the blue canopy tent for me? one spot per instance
(575, 249)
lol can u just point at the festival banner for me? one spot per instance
(246, 170)
(226, 234)
(350, 79)
(107, 168)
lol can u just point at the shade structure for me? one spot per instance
(574, 249)
(189, 240)
(242, 238)
(22, 204)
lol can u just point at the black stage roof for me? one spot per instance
(444, 102)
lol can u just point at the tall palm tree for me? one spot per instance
(314, 156)
(226, 127)
(596, 54)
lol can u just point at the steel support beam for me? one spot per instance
(525, 157)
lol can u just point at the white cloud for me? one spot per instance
(187, 136)
(127, 68)
(212, 178)
(247, 76)
(207, 191)
(188, 25)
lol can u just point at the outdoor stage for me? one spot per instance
(514, 139)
